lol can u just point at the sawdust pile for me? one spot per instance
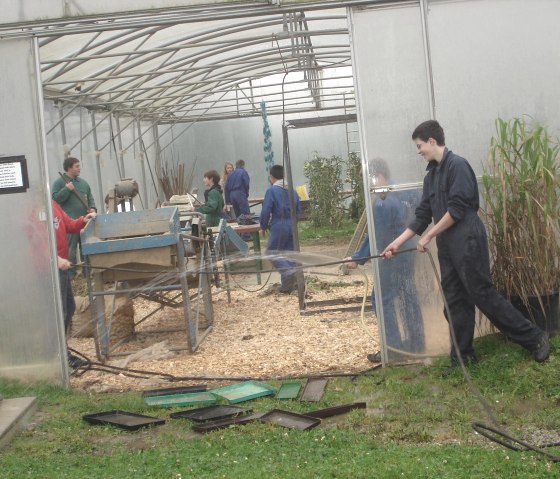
(256, 335)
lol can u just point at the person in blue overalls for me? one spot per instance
(450, 198)
(275, 216)
(236, 191)
(398, 288)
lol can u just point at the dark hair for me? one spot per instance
(378, 166)
(277, 171)
(69, 162)
(213, 175)
(429, 129)
(240, 163)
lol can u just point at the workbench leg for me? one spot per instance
(257, 251)
(182, 271)
(97, 307)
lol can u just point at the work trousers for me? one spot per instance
(281, 240)
(239, 203)
(465, 277)
(68, 302)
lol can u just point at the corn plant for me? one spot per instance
(522, 209)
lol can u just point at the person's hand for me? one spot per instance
(390, 250)
(423, 242)
(349, 263)
(70, 186)
(90, 216)
(63, 264)
(92, 210)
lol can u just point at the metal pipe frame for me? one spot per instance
(187, 67)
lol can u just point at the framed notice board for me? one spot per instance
(13, 175)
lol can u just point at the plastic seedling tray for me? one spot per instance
(290, 419)
(211, 413)
(123, 419)
(314, 389)
(188, 399)
(288, 391)
(177, 390)
(244, 391)
(222, 423)
(335, 410)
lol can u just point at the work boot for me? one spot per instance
(542, 350)
(289, 285)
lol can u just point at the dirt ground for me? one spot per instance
(259, 334)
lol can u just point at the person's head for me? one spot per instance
(276, 172)
(71, 166)
(228, 168)
(240, 164)
(429, 139)
(211, 178)
(379, 172)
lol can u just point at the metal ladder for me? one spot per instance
(352, 136)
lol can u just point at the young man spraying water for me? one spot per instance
(450, 198)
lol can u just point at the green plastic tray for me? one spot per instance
(187, 399)
(243, 391)
(288, 391)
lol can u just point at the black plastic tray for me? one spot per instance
(335, 410)
(222, 423)
(290, 419)
(209, 413)
(314, 389)
(199, 388)
(123, 419)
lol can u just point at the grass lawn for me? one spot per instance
(417, 425)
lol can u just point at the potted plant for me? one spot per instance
(521, 191)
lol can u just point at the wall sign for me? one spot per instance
(13, 175)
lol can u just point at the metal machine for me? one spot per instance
(147, 253)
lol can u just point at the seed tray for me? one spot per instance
(290, 419)
(178, 390)
(188, 399)
(313, 390)
(244, 391)
(335, 410)
(123, 419)
(222, 423)
(211, 413)
(288, 391)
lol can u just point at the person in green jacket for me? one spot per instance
(214, 200)
(64, 191)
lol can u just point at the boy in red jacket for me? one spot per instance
(64, 225)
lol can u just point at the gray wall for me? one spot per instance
(213, 143)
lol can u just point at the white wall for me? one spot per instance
(213, 143)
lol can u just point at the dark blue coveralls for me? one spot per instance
(236, 191)
(464, 258)
(275, 216)
(398, 289)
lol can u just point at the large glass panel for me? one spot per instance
(393, 95)
(490, 59)
(32, 338)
